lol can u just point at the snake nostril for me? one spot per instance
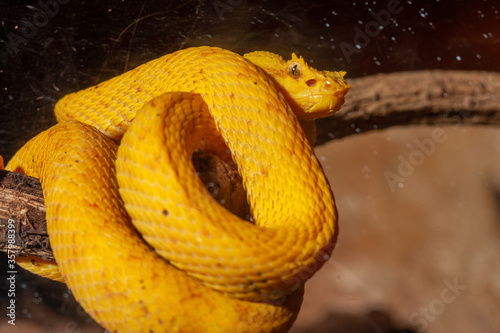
(311, 83)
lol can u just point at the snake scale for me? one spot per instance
(137, 237)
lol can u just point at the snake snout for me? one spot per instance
(340, 93)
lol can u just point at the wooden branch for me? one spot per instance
(374, 103)
(21, 200)
(434, 97)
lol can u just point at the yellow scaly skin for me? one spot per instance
(223, 274)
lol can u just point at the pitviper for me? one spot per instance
(209, 271)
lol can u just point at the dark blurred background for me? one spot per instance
(51, 48)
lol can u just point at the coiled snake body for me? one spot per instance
(210, 271)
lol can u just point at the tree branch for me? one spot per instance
(374, 103)
(21, 199)
(434, 97)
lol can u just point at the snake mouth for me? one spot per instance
(321, 105)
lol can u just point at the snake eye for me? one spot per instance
(295, 70)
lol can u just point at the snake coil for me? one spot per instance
(211, 271)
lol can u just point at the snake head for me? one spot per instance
(311, 93)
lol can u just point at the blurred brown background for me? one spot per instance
(420, 256)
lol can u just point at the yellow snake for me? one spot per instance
(211, 271)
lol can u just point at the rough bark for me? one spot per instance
(21, 200)
(374, 103)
